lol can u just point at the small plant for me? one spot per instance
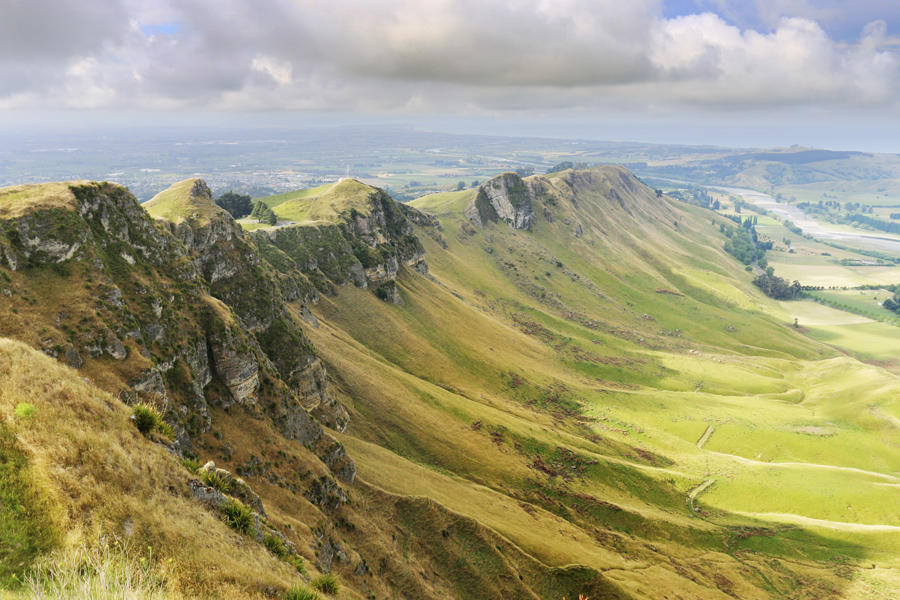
(25, 410)
(327, 584)
(275, 545)
(148, 420)
(191, 465)
(299, 592)
(298, 564)
(238, 516)
(215, 481)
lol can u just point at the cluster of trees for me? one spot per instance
(777, 287)
(829, 205)
(238, 205)
(893, 304)
(871, 222)
(696, 196)
(262, 213)
(460, 186)
(742, 245)
(790, 226)
(567, 164)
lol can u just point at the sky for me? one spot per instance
(732, 72)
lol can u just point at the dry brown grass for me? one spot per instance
(18, 200)
(101, 475)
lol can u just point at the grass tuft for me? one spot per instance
(216, 481)
(102, 571)
(25, 410)
(327, 584)
(191, 465)
(275, 546)
(238, 516)
(298, 564)
(299, 592)
(148, 420)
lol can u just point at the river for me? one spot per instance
(861, 239)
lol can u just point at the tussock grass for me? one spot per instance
(215, 481)
(80, 466)
(300, 592)
(327, 584)
(105, 570)
(148, 420)
(238, 516)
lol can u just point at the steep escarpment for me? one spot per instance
(143, 307)
(365, 239)
(506, 198)
(525, 423)
(269, 302)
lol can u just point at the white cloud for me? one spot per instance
(434, 55)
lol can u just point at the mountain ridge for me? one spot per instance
(461, 394)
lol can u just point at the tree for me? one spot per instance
(262, 213)
(778, 288)
(475, 183)
(238, 205)
(460, 186)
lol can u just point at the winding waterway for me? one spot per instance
(861, 239)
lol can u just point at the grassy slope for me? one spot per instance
(323, 204)
(82, 453)
(177, 202)
(583, 322)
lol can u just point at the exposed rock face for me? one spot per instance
(239, 274)
(237, 487)
(506, 198)
(240, 492)
(365, 249)
(172, 308)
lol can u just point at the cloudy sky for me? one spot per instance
(770, 72)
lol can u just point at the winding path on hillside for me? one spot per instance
(750, 461)
(801, 520)
(706, 435)
(696, 491)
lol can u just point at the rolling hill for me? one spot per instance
(538, 388)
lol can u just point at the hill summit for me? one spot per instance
(540, 388)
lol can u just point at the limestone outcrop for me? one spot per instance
(507, 198)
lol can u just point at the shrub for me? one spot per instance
(327, 584)
(148, 420)
(191, 465)
(238, 516)
(25, 410)
(299, 592)
(275, 545)
(214, 480)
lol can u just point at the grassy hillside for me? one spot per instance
(82, 471)
(597, 403)
(323, 204)
(186, 199)
(574, 391)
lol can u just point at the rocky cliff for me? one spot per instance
(366, 245)
(506, 198)
(183, 311)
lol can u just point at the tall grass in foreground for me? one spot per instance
(106, 570)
